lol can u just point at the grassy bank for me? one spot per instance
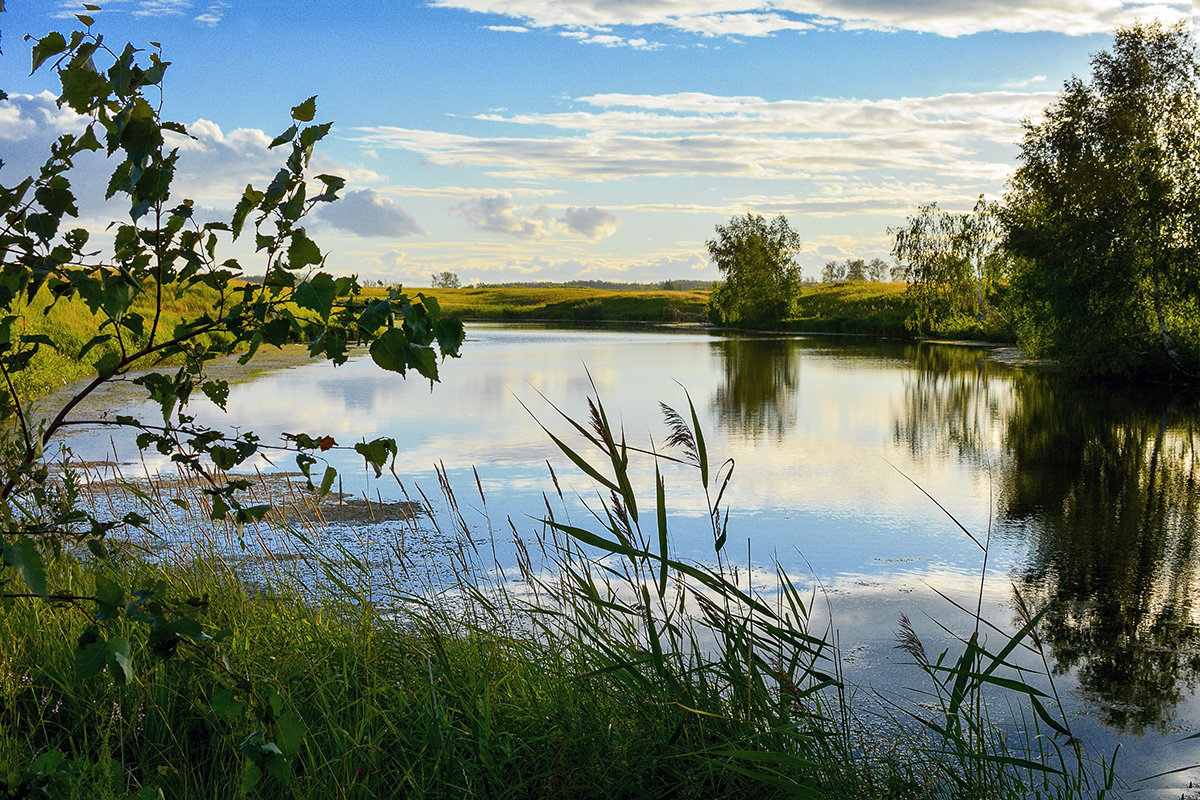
(859, 307)
(862, 307)
(600, 667)
(572, 304)
(72, 325)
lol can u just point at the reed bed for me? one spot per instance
(596, 665)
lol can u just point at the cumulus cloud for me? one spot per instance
(590, 222)
(366, 212)
(213, 169)
(767, 17)
(498, 214)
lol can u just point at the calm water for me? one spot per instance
(1089, 495)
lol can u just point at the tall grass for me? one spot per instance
(603, 666)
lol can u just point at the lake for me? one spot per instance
(1088, 494)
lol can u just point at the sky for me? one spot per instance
(552, 140)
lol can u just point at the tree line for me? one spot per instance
(1092, 257)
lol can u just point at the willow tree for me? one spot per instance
(1105, 211)
(954, 264)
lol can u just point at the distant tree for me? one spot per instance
(758, 261)
(877, 269)
(953, 263)
(1104, 212)
(833, 271)
(445, 280)
(856, 269)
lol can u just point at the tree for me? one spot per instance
(445, 280)
(833, 271)
(954, 263)
(158, 250)
(1104, 211)
(758, 261)
(877, 269)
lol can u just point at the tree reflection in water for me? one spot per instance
(761, 377)
(1101, 483)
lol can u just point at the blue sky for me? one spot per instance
(511, 140)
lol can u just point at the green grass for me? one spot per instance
(72, 325)
(571, 303)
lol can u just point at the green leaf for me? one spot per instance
(82, 89)
(227, 705)
(217, 391)
(376, 452)
(327, 481)
(313, 134)
(306, 110)
(251, 775)
(48, 46)
(250, 200)
(389, 350)
(284, 137)
(110, 597)
(317, 294)
(289, 733)
(91, 653)
(303, 251)
(450, 334)
(23, 556)
(394, 352)
(375, 316)
(120, 661)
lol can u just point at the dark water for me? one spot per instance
(1086, 494)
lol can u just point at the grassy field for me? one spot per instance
(572, 304)
(860, 307)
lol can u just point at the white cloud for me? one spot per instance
(1036, 79)
(620, 136)
(162, 8)
(590, 222)
(366, 212)
(767, 17)
(507, 28)
(210, 14)
(213, 14)
(498, 214)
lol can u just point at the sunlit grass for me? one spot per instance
(571, 303)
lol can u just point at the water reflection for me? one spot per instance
(1105, 488)
(956, 402)
(760, 379)
(1100, 484)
